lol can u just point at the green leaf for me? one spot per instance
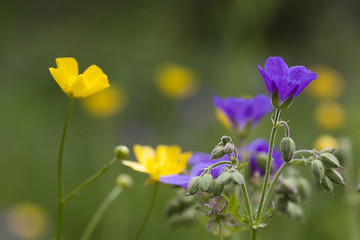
(233, 206)
(242, 166)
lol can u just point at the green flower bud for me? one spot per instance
(122, 152)
(334, 176)
(237, 178)
(282, 204)
(287, 148)
(224, 178)
(218, 152)
(218, 189)
(327, 185)
(318, 169)
(288, 188)
(229, 148)
(124, 180)
(261, 160)
(225, 139)
(193, 186)
(206, 183)
(330, 160)
(328, 150)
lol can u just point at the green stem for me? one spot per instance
(272, 185)
(90, 180)
(268, 164)
(247, 202)
(220, 230)
(148, 213)
(100, 212)
(60, 183)
(254, 234)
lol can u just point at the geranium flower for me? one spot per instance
(255, 149)
(199, 161)
(76, 85)
(284, 83)
(165, 160)
(242, 114)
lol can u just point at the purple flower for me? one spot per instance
(284, 83)
(243, 113)
(199, 162)
(255, 149)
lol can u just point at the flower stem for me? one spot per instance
(253, 234)
(60, 183)
(272, 185)
(100, 212)
(247, 202)
(90, 180)
(268, 164)
(220, 230)
(148, 213)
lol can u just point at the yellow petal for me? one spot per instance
(78, 88)
(61, 78)
(144, 154)
(166, 154)
(95, 80)
(134, 165)
(69, 64)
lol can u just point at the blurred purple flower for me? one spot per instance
(199, 162)
(284, 81)
(259, 146)
(243, 113)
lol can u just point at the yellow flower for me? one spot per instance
(176, 81)
(222, 118)
(76, 85)
(330, 115)
(166, 160)
(329, 83)
(105, 103)
(324, 141)
(27, 221)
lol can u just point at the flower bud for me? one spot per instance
(318, 169)
(229, 148)
(334, 176)
(225, 139)
(287, 148)
(218, 189)
(237, 178)
(206, 183)
(328, 150)
(329, 160)
(327, 185)
(282, 204)
(261, 159)
(193, 186)
(122, 152)
(218, 152)
(224, 178)
(288, 188)
(124, 180)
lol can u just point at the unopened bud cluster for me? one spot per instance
(324, 169)
(224, 147)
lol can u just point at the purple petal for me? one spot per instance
(262, 106)
(198, 157)
(267, 80)
(303, 76)
(176, 179)
(285, 87)
(276, 66)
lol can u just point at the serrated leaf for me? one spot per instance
(265, 218)
(242, 165)
(233, 206)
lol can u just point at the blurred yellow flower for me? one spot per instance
(105, 103)
(330, 115)
(220, 115)
(27, 221)
(176, 81)
(325, 141)
(166, 160)
(329, 83)
(66, 75)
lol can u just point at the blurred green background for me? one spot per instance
(222, 42)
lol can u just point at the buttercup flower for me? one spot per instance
(258, 149)
(284, 83)
(326, 141)
(329, 83)
(199, 162)
(176, 81)
(105, 103)
(330, 115)
(76, 85)
(164, 161)
(242, 113)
